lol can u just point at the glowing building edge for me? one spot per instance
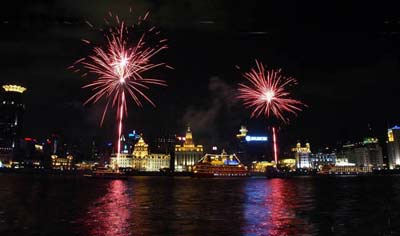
(393, 147)
(14, 88)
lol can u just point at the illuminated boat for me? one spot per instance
(222, 165)
(105, 173)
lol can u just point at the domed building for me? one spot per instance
(141, 159)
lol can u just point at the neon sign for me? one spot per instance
(256, 138)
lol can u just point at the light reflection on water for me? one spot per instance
(110, 214)
(271, 209)
(57, 205)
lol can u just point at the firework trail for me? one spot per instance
(119, 67)
(266, 94)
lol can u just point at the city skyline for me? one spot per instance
(337, 88)
(199, 117)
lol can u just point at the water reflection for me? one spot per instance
(274, 207)
(56, 205)
(208, 207)
(110, 214)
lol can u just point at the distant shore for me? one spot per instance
(189, 174)
(86, 172)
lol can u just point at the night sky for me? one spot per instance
(345, 57)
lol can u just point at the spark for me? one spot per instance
(266, 93)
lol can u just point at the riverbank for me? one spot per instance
(274, 174)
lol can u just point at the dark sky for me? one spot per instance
(344, 55)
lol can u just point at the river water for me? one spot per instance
(66, 205)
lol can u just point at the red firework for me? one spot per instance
(119, 68)
(266, 93)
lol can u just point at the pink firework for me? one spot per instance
(266, 93)
(119, 67)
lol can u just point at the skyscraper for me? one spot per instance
(11, 112)
(394, 147)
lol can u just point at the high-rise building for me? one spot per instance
(251, 148)
(11, 112)
(367, 153)
(94, 151)
(393, 145)
(188, 154)
(302, 156)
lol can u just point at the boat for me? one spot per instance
(105, 173)
(220, 165)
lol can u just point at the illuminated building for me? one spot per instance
(11, 112)
(86, 165)
(31, 152)
(187, 154)
(302, 156)
(393, 145)
(242, 132)
(59, 163)
(343, 166)
(129, 142)
(141, 159)
(373, 153)
(123, 161)
(367, 153)
(261, 166)
(318, 160)
(14, 88)
(219, 165)
(287, 164)
(251, 148)
(144, 161)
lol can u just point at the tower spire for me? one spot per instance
(188, 137)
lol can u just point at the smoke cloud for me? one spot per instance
(217, 123)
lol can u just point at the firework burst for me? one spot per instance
(266, 93)
(119, 67)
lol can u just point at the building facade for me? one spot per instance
(287, 164)
(367, 153)
(393, 145)
(62, 163)
(141, 159)
(187, 154)
(319, 160)
(302, 156)
(11, 112)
